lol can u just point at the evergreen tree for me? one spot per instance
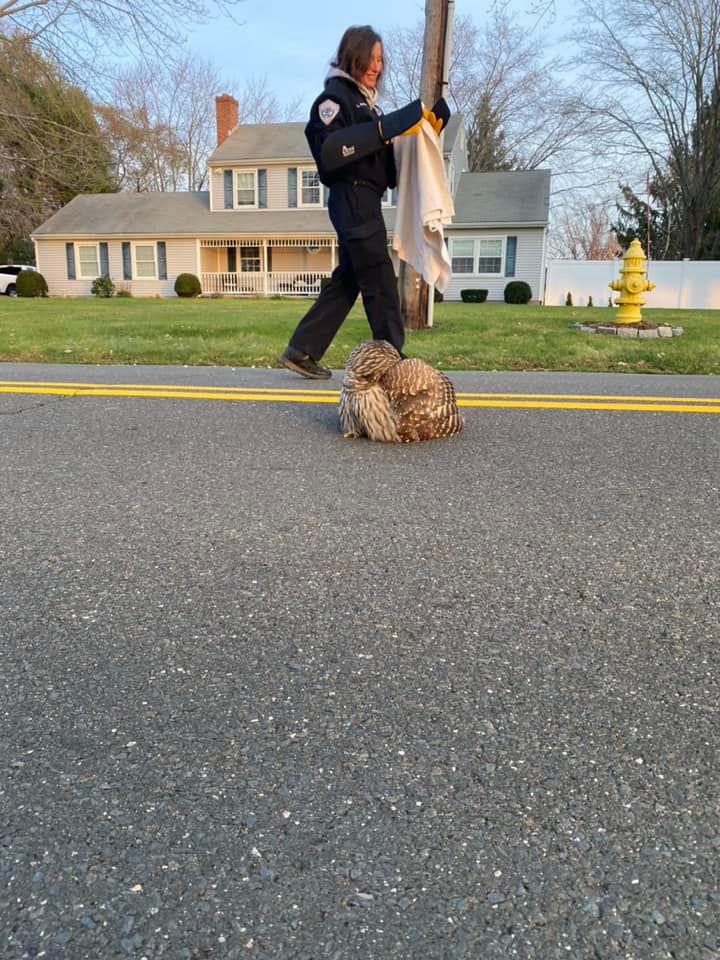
(647, 220)
(51, 147)
(684, 216)
(486, 146)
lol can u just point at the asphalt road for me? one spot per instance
(268, 693)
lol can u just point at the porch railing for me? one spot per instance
(284, 283)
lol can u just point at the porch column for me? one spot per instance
(265, 268)
(333, 255)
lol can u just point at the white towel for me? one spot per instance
(424, 206)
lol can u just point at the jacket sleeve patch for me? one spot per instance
(328, 110)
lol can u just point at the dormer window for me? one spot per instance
(310, 188)
(245, 188)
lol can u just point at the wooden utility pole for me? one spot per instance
(414, 292)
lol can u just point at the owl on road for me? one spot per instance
(386, 398)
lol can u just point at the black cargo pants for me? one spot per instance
(364, 267)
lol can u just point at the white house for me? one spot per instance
(262, 228)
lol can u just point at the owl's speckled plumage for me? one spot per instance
(386, 398)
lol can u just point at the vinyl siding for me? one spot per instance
(51, 262)
(277, 184)
(277, 187)
(216, 188)
(528, 264)
(458, 155)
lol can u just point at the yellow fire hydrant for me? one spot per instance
(632, 284)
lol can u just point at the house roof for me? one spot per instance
(483, 200)
(174, 214)
(263, 141)
(519, 197)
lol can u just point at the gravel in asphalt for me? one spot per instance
(267, 693)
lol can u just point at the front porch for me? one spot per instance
(275, 284)
(266, 266)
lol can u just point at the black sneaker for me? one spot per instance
(303, 364)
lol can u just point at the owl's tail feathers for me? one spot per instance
(440, 428)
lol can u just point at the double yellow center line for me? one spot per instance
(537, 401)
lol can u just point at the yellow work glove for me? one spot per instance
(415, 128)
(432, 120)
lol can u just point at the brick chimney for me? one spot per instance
(226, 116)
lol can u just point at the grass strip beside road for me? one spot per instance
(251, 333)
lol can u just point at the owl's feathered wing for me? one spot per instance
(422, 401)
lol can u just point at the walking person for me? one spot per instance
(351, 142)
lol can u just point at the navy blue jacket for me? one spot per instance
(358, 153)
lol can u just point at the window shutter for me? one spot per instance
(510, 256)
(228, 180)
(127, 262)
(326, 194)
(232, 259)
(393, 197)
(70, 257)
(104, 262)
(162, 260)
(292, 186)
(262, 189)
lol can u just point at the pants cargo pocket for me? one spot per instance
(367, 246)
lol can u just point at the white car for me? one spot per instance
(8, 278)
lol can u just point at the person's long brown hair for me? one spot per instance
(355, 50)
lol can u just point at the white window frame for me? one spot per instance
(299, 188)
(455, 256)
(478, 247)
(80, 274)
(476, 242)
(245, 206)
(136, 273)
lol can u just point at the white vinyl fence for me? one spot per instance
(679, 284)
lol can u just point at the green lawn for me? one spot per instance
(253, 332)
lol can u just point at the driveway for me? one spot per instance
(269, 693)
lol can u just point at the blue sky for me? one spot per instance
(291, 43)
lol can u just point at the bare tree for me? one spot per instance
(497, 74)
(257, 104)
(77, 32)
(404, 46)
(656, 91)
(586, 234)
(161, 124)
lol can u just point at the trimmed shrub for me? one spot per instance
(568, 299)
(187, 285)
(125, 294)
(517, 291)
(473, 296)
(30, 283)
(102, 287)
